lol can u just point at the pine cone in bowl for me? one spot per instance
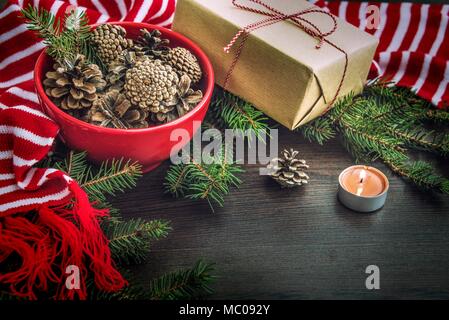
(74, 85)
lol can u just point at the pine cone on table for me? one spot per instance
(151, 85)
(75, 85)
(186, 99)
(113, 110)
(288, 170)
(184, 62)
(151, 44)
(110, 41)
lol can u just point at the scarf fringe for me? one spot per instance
(56, 238)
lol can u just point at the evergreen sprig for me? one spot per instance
(111, 177)
(184, 284)
(64, 39)
(130, 240)
(213, 181)
(77, 27)
(387, 123)
(6, 296)
(114, 213)
(228, 111)
(210, 180)
(133, 291)
(74, 164)
(438, 116)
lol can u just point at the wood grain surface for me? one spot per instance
(302, 243)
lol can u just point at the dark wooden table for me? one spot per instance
(302, 244)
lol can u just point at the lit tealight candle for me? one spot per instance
(363, 188)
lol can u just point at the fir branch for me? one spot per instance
(210, 181)
(75, 165)
(217, 132)
(420, 138)
(77, 24)
(438, 116)
(206, 186)
(77, 27)
(419, 172)
(184, 284)
(64, 39)
(344, 104)
(385, 90)
(133, 291)
(50, 29)
(320, 131)
(368, 141)
(114, 213)
(130, 240)
(112, 177)
(7, 296)
(229, 111)
(175, 180)
(387, 123)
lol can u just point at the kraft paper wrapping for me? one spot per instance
(279, 71)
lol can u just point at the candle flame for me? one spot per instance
(362, 177)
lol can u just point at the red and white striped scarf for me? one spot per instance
(36, 224)
(413, 43)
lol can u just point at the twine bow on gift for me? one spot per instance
(274, 16)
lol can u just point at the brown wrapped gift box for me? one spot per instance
(280, 70)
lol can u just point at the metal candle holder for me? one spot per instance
(362, 203)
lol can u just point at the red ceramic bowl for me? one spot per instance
(149, 146)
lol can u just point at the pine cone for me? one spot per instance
(117, 70)
(184, 62)
(186, 100)
(78, 113)
(110, 41)
(151, 85)
(74, 86)
(288, 171)
(151, 44)
(113, 110)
